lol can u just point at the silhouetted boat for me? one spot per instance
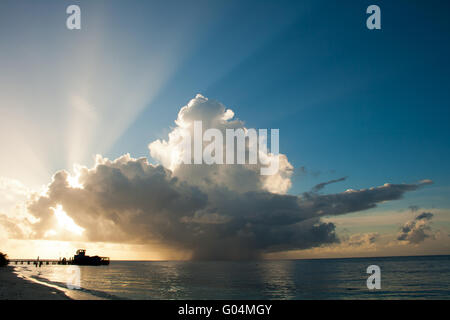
(81, 259)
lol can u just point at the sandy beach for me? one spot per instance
(14, 288)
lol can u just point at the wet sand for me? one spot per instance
(13, 287)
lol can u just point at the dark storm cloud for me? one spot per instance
(130, 200)
(212, 212)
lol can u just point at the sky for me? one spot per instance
(357, 109)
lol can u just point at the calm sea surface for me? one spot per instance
(401, 278)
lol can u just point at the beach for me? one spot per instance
(13, 287)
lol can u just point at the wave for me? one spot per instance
(77, 294)
(95, 293)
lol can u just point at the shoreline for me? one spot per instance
(13, 287)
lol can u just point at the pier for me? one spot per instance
(80, 259)
(39, 262)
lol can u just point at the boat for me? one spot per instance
(81, 259)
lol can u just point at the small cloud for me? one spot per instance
(415, 231)
(322, 185)
(424, 216)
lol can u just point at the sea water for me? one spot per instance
(425, 277)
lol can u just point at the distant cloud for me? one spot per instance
(214, 212)
(362, 240)
(11, 226)
(359, 242)
(415, 231)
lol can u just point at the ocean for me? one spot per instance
(426, 277)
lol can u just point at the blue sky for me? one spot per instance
(369, 105)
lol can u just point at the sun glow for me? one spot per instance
(74, 180)
(65, 222)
